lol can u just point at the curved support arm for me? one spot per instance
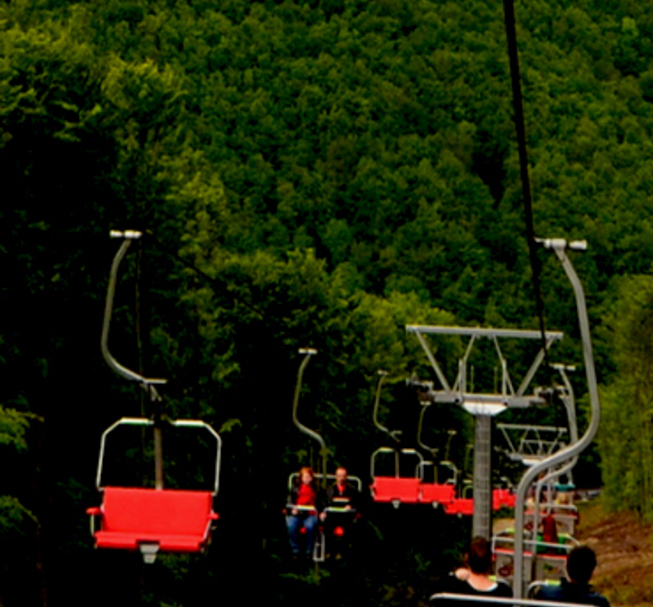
(308, 352)
(432, 450)
(559, 247)
(394, 434)
(453, 479)
(108, 309)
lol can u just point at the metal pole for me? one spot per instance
(481, 524)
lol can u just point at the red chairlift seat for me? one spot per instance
(397, 489)
(393, 489)
(154, 520)
(503, 498)
(174, 520)
(433, 493)
(463, 506)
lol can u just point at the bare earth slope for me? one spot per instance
(624, 548)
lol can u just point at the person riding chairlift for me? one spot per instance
(474, 579)
(342, 501)
(341, 494)
(302, 511)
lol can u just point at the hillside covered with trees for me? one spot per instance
(310, 174)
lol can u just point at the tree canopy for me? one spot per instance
(309, 174)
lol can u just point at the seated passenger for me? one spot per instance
(302, 511)
(341, 495)
(474, 579)
(576, 589)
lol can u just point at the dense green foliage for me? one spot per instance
(313, 173)
(627, 426)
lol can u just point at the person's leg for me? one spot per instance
(311, 525)
(294, 524)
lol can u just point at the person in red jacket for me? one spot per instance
(302, 511)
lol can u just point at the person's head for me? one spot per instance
(306, 475)
(341, 475)
(480, 556)
(580, 564)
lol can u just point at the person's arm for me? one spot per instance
(292, 499)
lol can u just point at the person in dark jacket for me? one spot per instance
(342, 494)
(581, 563)
(474, 579)
(302, 511)
(342, 510)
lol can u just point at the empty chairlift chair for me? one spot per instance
(396, 489)
(154, 520)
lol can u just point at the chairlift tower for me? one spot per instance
(483, 406)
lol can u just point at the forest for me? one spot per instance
(307, 173)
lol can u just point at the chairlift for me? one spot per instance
(563, 515)
(342, 507)
(394, 489)
(158, 519)
(437, 493)
(522, 569)
(154, 520)
(543, 560)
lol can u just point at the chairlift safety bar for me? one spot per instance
(447, 596)
(142, 421)
(418, 468)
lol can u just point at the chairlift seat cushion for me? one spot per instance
(442, 494)
(179, 521)
(132, 541)
(390, 488)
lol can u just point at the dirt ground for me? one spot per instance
(624, 548)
